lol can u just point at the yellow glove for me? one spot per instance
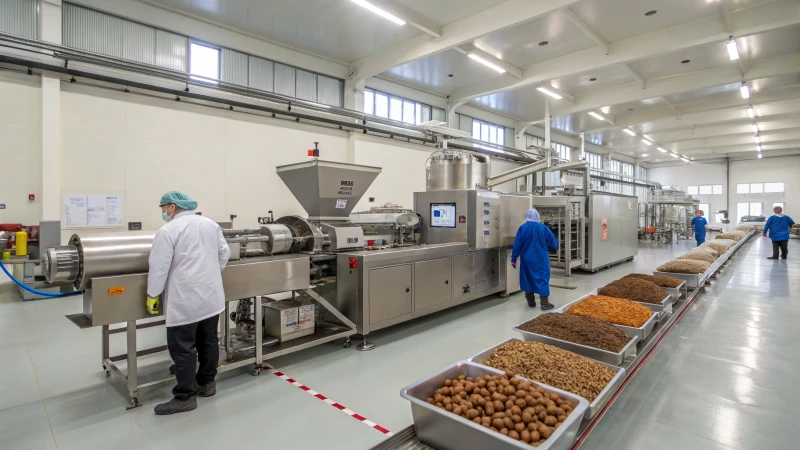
(153, 305)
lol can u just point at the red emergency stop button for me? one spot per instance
(353, 263)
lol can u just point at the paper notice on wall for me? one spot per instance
(114, 210)
(75, 211)
(92, 211)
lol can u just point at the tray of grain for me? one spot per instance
(641, 331)
(505, 354)
(612, 354)
(445, 430)
(675, 286)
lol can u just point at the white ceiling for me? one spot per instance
(641, 77)
(336, 29)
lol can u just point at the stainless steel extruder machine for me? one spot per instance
(299, 282)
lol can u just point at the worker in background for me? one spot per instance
(531, 244)
(699, 223)
(778, 229)
(186, 263)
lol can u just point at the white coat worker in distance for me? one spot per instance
(186, 263)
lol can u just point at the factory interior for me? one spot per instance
(442, 225)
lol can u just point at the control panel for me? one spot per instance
(487, 220)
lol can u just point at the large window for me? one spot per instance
(488, 132)
(107, 34)
(706, 208)
(203, 62)
(381, 104)
(710, 189)
(748, 209)
(595, 160)
(759, 188)
(774, 187)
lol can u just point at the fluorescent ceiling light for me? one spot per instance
(379, 11)
(733, 50)
(486, 63)
(546, 91)
(750, 112)
(645, 155)
(745, 91)
(646, 142)
(758, 148)
(662, 150)
(596, 116)
(629, 131)
(755, 128)
(684, 160)
(673, 155)
(759, 156)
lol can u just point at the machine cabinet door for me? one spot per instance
(389, 293)
(463, 279)
(432, 283)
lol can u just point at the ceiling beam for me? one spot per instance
(411, 17)
(510, 69)
(725, 150)
(635, 75)
(776, 102)
(504, 15)
(586, 29)
(749, 21)
(670, 106)
(725, 6)
(773, 67)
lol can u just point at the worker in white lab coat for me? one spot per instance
(186, 263)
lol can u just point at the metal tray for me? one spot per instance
(663, 307)
(677, 292)
(605, 356)
(692, 280)
(446, 431)
(597, 405)
(641, 332)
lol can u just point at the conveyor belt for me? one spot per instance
(407, 438)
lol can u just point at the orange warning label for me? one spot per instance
(116, 290)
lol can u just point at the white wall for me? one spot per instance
(784, 169)
(779, 169)
(20, 148)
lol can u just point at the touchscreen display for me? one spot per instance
(443, 215)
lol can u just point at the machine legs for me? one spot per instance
(133, 375)
(365, 345)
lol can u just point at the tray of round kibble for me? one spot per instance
(549, 365)
(646, 324)
(586, 336)
(675, 286)
(438, 402)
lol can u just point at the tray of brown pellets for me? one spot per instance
(442, 429)
(615, 310)
(593, 380)
(675, 286)
(586, 336)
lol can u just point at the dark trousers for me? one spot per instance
(185, 344)
(700, 238)
(783, 246)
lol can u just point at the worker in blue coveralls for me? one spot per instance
(531, 244)
(699, 224)
(778, 228)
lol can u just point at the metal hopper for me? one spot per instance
(328, 190)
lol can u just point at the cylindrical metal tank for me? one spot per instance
(448, 170)
(112, 254)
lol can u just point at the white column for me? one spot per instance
(354, 95)
(576, 153)
(50, 31)
(547, 119)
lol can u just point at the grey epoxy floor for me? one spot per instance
(725, 368)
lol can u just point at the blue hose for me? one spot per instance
(34, 291)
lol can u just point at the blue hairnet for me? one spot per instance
(180, 200)
(532, 216)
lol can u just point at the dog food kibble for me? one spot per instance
(719, 248)
(684, 266)
(579, 330)
(710, 250)
(615, 310)
(732, 235)
(636, 290)
(483, 400)
(728, 243)
(552, 366)
(695, 255)
(660, 280)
